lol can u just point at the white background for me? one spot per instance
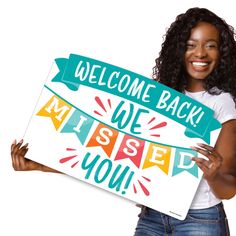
(126, 33)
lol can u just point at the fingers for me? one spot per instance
(211, 166)
(22, 161)
(208, 151)
(18, 152)
(13, 144)
(204, 165)
(212, 154)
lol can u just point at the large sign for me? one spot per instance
(122, 132)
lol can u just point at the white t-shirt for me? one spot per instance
(225, 110)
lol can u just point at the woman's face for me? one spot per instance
(202, 54)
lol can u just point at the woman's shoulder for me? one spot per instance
(224, 106)
(225, 100)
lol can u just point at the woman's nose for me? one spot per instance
(200, 51)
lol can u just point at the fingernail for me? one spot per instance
(21, 141)
(192, 147)
(14, 142)
(200, 144)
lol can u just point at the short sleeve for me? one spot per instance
(225, 109)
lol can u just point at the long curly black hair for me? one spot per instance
(169, 68)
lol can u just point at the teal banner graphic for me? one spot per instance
(197, 118)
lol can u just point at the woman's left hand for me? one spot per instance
(211, 166)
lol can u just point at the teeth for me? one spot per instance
(200, 63)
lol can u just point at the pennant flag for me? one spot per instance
(183, 162)
(105, 137)
(56, 109)
(80, 124)
(158, 155)
(131, 148)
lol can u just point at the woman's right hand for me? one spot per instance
(19, 162)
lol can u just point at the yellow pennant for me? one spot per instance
(158, 155)
(57, 109)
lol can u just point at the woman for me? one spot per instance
(198, 58)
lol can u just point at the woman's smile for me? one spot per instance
(200, 65)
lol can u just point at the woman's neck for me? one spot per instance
(195, 86)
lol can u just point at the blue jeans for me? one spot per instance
(199, 222)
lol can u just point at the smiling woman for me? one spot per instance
(198, 58)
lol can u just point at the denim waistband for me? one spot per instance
(145, 210)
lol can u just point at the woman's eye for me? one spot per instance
(190, 45)
(211, 46)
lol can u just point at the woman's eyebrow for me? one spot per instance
(208, 40)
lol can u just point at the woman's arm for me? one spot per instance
(20, 163)
(220, 169)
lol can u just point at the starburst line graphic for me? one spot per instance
(155, 126)
(142, 186)
(68, 158)
(102, 106)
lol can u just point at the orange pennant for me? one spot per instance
(105, 137)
